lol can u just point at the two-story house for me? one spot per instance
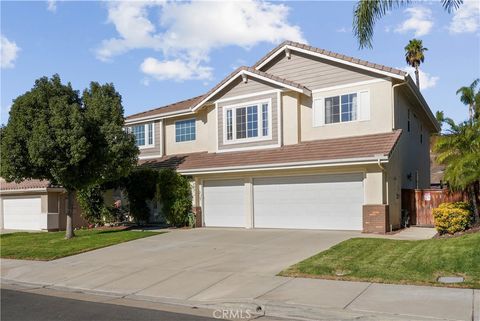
(304, 139)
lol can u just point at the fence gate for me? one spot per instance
(420, 202)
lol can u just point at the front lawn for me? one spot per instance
(393, 261)
(52, 245)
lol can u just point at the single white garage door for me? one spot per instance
(331, 202)
(224, 203)
(22, 213)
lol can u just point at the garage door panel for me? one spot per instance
(309, 202)
(22, 213)
(224, 203)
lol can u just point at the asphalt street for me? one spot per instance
(24, 306)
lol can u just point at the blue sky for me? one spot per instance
(157, 53)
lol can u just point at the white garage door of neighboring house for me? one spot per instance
(224, 203)
(22, 213)
(309, 202)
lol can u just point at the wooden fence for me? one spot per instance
(420, 202)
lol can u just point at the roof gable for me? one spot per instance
(287, 46)
(246, 72)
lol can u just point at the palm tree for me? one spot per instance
(459, 150)
(414, 55)
(469, 97)
(367, 12)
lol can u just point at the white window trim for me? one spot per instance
(260, 137)
(175, 130)
(147, 145)
(323, 97)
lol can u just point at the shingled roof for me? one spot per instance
(24, 185)
(341, 149)
(331, 54)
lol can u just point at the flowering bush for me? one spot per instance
(452, 217)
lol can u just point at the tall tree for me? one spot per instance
(53, 135)
(414, 55)
(368, 12)
(470, 96)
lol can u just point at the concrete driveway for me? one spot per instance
(181, 264)
(237, 268)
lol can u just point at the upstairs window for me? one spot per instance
(144, 135)
(248, 122)
(340, 109)
(185, 130)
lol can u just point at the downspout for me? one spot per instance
(384, 172)
(393, 101)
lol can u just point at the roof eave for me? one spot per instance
(293, 165)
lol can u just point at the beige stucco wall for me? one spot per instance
(414, 153)
(204, 127)
(380, 114)
(291, 118)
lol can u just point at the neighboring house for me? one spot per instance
(304, 139)
(35, 205)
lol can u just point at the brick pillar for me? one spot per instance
(375, 219)
(197, 210)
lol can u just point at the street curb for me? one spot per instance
(256, 308)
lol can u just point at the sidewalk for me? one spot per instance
(266, 295)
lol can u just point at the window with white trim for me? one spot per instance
(247, 122)
(144, 134)
(185, 130)
(340, 109)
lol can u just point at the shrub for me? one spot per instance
(452, 217)
(176, 197)
(141, 185)
(92, 204)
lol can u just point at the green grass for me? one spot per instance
(393, 261)
(53, 245)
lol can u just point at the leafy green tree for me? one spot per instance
(368, 12)
(53, 134)
(470, 96)
(414, 55)
(459, 151)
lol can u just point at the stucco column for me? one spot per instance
(248, 202)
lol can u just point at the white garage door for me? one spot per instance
(22, 213)
(309, 202)
(224, 203)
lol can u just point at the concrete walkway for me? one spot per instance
(237, 268)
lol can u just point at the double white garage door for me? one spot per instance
(298, 202)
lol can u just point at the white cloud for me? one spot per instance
(343, 30)
(466, 18)
(52, 5)
(9, 51)
(426, 80)
(420, 21)
(186, 32)
(177, 69)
